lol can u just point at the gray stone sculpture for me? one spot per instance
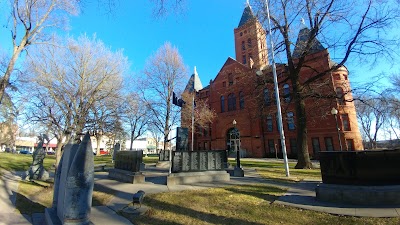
(36, 170)
(73, 185)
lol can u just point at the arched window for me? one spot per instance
(267, 97)
(243, 46)
(222, 104)
(290, 121)
(249, 44)
(340, 96)
(241, 100)
(231, 102)
(286, 92)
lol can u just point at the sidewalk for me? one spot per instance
(301, 195)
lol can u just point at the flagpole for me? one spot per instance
(278, 102)
(194, 92)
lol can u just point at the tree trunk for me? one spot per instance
(98, 141)
(4, 82)
(303, 161)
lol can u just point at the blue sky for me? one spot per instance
(203, 34)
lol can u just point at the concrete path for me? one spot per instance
(8, 190)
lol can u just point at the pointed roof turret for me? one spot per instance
(247, 14)
(194, 83)
(301, 42)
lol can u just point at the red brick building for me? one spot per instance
(243, 91)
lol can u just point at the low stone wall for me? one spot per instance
(197, 177)
(126, 176)
(359, 195)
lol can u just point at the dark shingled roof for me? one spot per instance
(246, 16)
(301, 44)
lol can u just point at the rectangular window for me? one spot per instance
(350, 144)
(244, 60)
(269, 124)
(271, 145)
(315, 145)
(293, 145)
(328, 144)
(230, 79)
(346, 122)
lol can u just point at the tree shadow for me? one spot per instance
(176, 209)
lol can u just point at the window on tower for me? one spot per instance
(243, 46)
(244, 59)
(249, 45)
(340, 96)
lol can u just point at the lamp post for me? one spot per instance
(236, 137)
(334, 112)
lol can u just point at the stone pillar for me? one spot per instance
(73, 188)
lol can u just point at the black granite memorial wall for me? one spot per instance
(128, 160)
(193, 161)
(361, 167)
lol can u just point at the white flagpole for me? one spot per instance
(278, 102)
(194, 92)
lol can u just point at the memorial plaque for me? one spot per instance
(177, 162)
(128, 160)
(194, 161)
(198, 161)
(203, 161)
(185, 161)
(219, 163)
(211, 160)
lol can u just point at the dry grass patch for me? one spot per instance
(248, 204)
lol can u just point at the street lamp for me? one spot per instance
(334, 112)
(236, 136)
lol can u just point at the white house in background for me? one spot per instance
(138, 144)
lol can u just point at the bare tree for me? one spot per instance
(134, 114)
(67, 83)
(372, 116)
(351, 27)
(156, 135)
(203, 115)
(8, 123)
(28, 23)
(164, 72)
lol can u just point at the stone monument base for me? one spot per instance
(163, 164)
(197, 177)
(359, 195)
(126, 176)
(52, 219)
(236, 172)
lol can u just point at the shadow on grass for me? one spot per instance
(258, 191)
(176, 209)
(27, 206)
